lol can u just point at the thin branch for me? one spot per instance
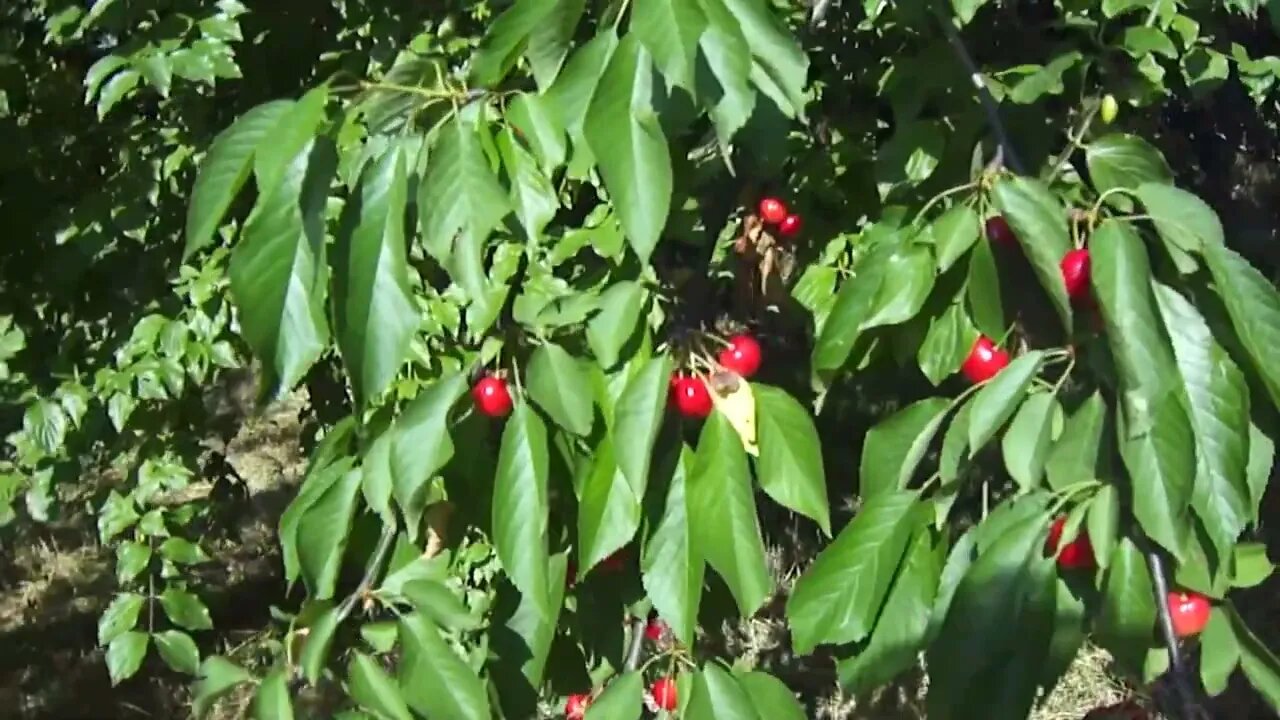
(371, 571)
(984, 94)
(1177, 669)
(637, 644)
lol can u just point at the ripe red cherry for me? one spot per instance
(655, 630)
(691, 397)
(575, 708)
(663, 691)
(790, 226)
(742, 356)
(1189, 611)
(1075, 273)
(985, 360)
(1075, 555)
(491, 396)
(772, 210)
(999, 232)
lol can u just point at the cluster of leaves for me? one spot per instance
(558, 202)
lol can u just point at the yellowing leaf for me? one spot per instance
(732, 396)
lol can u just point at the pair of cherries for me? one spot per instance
(689, 393)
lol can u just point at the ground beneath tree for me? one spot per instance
(57, 580)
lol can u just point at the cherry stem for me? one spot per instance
(940, 196)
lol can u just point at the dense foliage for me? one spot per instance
(587, 296)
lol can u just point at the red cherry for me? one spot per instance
(575, 708)
(742, 356)
(772, 210)
(570, 574)
(1189, 611)
(999, 232)
(790, 226)
(1075, 273)
(655, 630)
(663, 691)
(691, 397)
(985, 360)
(1077, 554)
(491, 396)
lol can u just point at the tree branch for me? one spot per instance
(637, 644)
(371, 571)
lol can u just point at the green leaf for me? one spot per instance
(374, 690)
(120, 616)
(315, 652)
(178, 651)
(218, 676)
(540, 127)
(224, 171)
(549, 42)
(532, 194)
(1262, 453)
(853, 304)
(436, 682)
(727, 531)
(185, 609)
(903, 625)
(637, 418)
(954, 233)
(726, 89)
(955, 445)
(460, 201)
(1181, 218)
(1040, 224)
(45, 423)
(790, 464)
(1074, 457)
(1125, 161)
(1259, 664)
(422, 445)
(505, 40)
(961, 557)
(322, 534)
(1251, 565)
(669, 30)
(1025, 444)
(631, 151)
(1121, 276)
(272, 701)
(980, 656)
(278, 272)
(609, 512)
(670, 568)
(983, 291)
(556, 381)
(622, 699)
(615, 324)
(894, 447)
(1161, 464)
(125, 654)
(1219, 653)
(436, 601)
(288, 137)
(776, 51)
(183, 551)
(771, 698)
(572, 92)
(1253, 304)
(717, 695)
(1103, 523)
(837, 599)
(131, 559)
(375, 316)
(950, 337)
(1219, 408)
(909, 273)
(1128, 611)
(520, 503)
(994, 404)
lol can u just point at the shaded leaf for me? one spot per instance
(520, 503)
(637, 418)
(671, 568)
(272, 701)
(435, 681)
(555, 380)
(1074, 456)
(622, 699)
(1040, 223)
(1025, 444)
(1253, 304)
(322, 534)
(995, 403)
(371, 687)
(609, 512)
(894, 447)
